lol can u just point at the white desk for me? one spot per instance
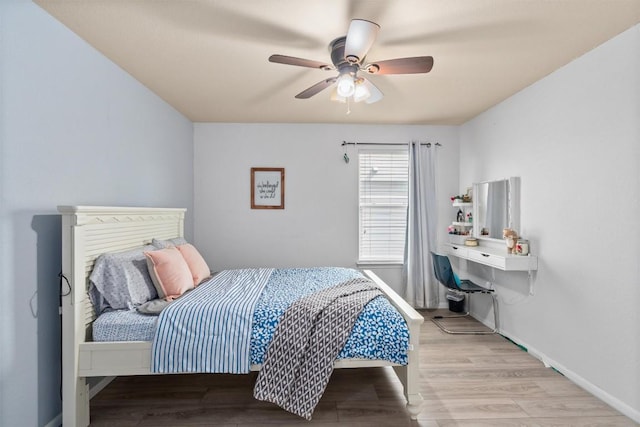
(494, 257)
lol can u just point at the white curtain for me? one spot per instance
(420, 286)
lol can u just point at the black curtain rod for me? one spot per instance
(428, 144)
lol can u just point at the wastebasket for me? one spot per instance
(456, 301)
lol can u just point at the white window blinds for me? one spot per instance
(383, 189)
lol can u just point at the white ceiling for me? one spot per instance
(208, 58)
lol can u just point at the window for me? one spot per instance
(383, 189)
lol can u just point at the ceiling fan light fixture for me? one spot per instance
(362, 92)
(345, 85)
(375, 94)
(336, 97)
(373, 98)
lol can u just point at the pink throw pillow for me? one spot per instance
(198, 266)
(169, 272)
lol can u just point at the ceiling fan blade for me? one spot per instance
(300, 62)
(360, 38)
(415, 65)
(318, 87)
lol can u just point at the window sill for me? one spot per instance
(380, 264)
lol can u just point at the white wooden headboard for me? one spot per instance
(88, 232)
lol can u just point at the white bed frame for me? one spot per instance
(87, 232)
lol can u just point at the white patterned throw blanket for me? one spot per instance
(209, 330)
(311, 333)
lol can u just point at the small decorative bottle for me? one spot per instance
(522, 247)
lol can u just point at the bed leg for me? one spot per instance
(75, 403)
(410, 377)
(416, 407)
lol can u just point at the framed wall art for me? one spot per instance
(267, 188)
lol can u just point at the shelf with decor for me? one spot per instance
(462, 224)
(491, 248)
(496, 257)
(460, 204)
(462, 227)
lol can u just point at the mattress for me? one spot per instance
(380, 332)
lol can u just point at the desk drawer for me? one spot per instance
(458, 250)
(487, 258)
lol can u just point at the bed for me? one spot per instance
(88, 232)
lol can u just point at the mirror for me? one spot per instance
(495, 207)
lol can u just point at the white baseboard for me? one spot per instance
(576, 379)
(598, 392)
(583, 383)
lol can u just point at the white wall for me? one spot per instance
(320, 221)
(574, 139)
(75, 129)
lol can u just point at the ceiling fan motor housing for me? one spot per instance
(336, 49)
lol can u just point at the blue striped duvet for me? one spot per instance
(380, 331)
(210, 329)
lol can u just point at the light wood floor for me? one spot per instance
(466, 380)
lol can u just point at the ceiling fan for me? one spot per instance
(348, 54)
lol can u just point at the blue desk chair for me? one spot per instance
(444, 275)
